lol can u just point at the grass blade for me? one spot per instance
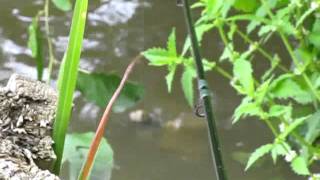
(67, 79)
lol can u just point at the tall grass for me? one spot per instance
(67, 79)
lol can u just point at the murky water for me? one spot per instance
(117, 31)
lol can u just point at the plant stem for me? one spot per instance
(205, 96)
(84, 174)
(50, 49)
(261, 50)
(297, 64)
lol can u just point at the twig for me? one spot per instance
(101, 128)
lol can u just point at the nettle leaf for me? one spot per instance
(313, 124)
(279, 149)
(288, 86)
(187, 83)
(280, 110)
(296, 123)
(242, 71)
(246, 108)
(35, 44)
(258, 153)
(300, 166)
(314, 36)
(262, 91)
(170, 76)
(64, 5)
(76, 149)
(246, 6)
(159, 57)
(99, 88)
(171, 44)
(227, 53)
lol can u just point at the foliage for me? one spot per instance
(96, 87)
(35, 44)
(99, 87)
(277, 95)
(76, 149)
(67, 79)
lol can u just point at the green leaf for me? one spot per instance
(67, 79)
(296, 123)
(170, 76)
(246, 108)
(258, 153)
(300, 166)
(64, 5)
(76, 150)
(280, 110)
(279, 149)
(288, 86)
(35, 44)
(313, 123)
(314, 36)
(187, 83)
(171, 44)
(247, 5)
(159, 57)
(99, 88)
(242, 71)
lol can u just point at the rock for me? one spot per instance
(27, 111)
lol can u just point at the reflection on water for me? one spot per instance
(175, 149)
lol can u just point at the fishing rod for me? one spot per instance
(204, 94)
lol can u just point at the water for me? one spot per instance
(117, 31)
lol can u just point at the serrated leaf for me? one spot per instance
(159, 57)
(296, 123)
(246, 108)
(227, 53)
(242, 71)
(246, 6)
(171, 44)
(280, 110)
(64, 5)
(170, 76)
(187, 83)
(76, 150)
(313, 123)
(279, 149)
(99, 88)
(299, 166)
(286, 86)
(35, 44)
(258, 153)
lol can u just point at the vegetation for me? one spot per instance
(285, 96)
(92, 85)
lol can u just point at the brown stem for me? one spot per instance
(101, 128)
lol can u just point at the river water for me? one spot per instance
(116, 32)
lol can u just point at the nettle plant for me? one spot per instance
(286, 96)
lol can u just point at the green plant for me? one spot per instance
(95, 87)
(286, 98)
(68, 78)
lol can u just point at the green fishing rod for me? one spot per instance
(204, 94)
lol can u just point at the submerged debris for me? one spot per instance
(27, 110)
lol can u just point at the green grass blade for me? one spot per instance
(67, 79)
